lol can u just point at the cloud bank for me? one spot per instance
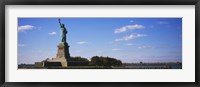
(82, 42)
(24, 28)
(128, 28)
(52, 33)
(130, 37)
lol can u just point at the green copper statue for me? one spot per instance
(63, 31)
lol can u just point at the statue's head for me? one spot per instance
(62, 25)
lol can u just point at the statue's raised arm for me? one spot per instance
(59, 22)
(63, 31)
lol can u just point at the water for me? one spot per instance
(151, 66)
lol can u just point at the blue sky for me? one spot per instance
(127, 39)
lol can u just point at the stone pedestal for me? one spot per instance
(63, 51)
(62, 54)
(61, 57)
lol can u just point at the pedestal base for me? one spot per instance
(60, 60)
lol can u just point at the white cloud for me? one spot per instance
(128, 27)
(52, 33)
(116, 49)
(21, 45)
(144, 47)
(129, 44)
(163, 22)
(24, 28)
(132, 36)
(82, 42)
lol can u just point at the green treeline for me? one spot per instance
(95, 61)
(78, 58)
(105, 61)
(78, 61)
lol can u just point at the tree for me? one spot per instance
(78, 61)
(105, 61)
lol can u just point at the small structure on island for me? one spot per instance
(62, 55)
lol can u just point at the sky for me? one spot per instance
(130, 40)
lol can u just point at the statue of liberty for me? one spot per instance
(63, 31)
